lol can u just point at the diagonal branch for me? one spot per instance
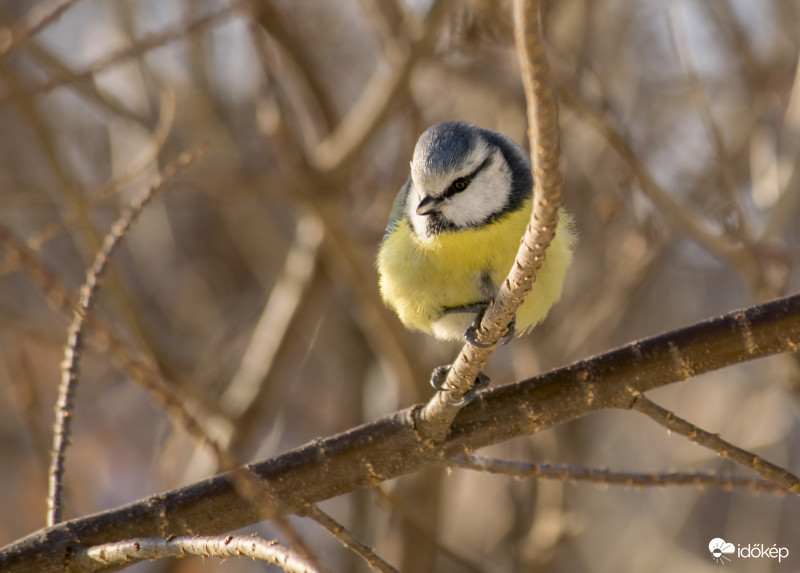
(390, 446)
(434, 420)
(140, 47)
(712, 441)
(349, 540)
(39, 18)
(384, 87)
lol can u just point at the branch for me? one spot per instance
(390, 446)
(69, 378)
(141, 46)
(259, 494)
(349, 540)
(111, 556)
(36, 20)
(562, 472)
(434, 420)
(691, 224)
(713, 442)
(353, 131)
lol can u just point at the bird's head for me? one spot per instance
(464, 176)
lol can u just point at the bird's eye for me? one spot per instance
(460, 184)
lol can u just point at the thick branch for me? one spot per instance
(389, 447)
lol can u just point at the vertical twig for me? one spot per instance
(434, 419)
(71, 364)
(276, 318)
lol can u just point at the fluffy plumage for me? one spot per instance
(455, 230)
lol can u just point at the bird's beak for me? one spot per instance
(428, 205)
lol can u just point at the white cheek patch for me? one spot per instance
(487, 195)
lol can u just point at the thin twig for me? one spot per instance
(275, 319)
(434, 420)
(259, 493)
(349, 540)
(563, 472)
(698, 92)
(70, 366)
(382, 90)
(135, 50)
(111, 556)
(39, 17)
(689, 223)
(268, 17)
(713, 442)
(422, 528)
(145, 160)
(50, 63)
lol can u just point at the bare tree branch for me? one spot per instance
(434, 420)
(349, 540)
(111, 556)
(725, 449)
(40, 16)
(564, 472)
(69, 379)
(139, 48)
(390, 446)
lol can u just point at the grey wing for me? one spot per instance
(398, 208)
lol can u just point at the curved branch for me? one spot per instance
(111, 556)
(434, 420)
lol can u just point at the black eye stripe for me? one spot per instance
(460, 184)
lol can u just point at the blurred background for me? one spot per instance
(249, 284)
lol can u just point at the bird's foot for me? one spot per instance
(471, 334)
(439, 379)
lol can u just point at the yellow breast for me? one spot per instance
(420, 278)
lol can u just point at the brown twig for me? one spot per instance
(260, 494)
(689, 223)
(434, 420)
(563, 472)
(145, 160)
(111, 556)
(713, 442)
(277, 316)
(383, 89)
(70, 366)
(137, 49)
(39, 17)
(349, 540)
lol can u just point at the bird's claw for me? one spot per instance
(439, 379)
(471, 334)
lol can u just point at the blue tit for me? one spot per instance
(455, 229)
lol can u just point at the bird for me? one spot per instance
(454, 232)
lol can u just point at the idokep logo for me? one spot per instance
(721, 549)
